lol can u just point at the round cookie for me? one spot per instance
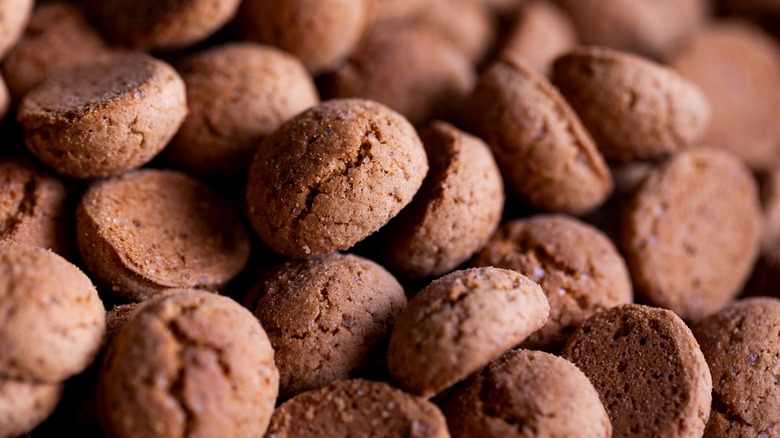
(14, 15)
(332, 176)
(53, 320)
(106, 118)
(546, 156)
(24, 405)
(238, 94)
(742, 346)
(151, 230)
(469, 25)
(459, 323)
(189, 364)
(357, 408)
(321, 33)
(691, 233)
(648, 370)
(634, 108)
(577, 266)
(527, 393)
(456, 210)
(328, 318)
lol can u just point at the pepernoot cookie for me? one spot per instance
(328, 318)
(691, 233)
(151, 230)
(106, 118)
(648, 370)
(332, 176)
(634, 108)
(25, 404)
(459, 323)
(189, 364)
(545, 154)
(14, 15)
(742, 346)
(526, 393)
(456, 210)
(357, 408)
(577, 266)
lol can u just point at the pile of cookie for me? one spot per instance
(424, 218)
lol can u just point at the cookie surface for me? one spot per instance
(469, 25)
(14, 15)
(24, 405)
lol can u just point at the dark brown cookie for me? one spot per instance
(24, 405)
(14, 15)
(648, 370)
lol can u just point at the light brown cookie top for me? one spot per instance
(545, 154)
(24, 405)
(14, 15)
(526, 394)
(53, 320)
(577, 266)
(469, 25)
(455, 212)
(460, 323)
(332, 176)
(691, 232)
(237, 94)
(151, 230)
(189, 364)
(357, 408)
(321, 33)
(648, 370)
(106, 118)
(634, 108)
(328, 318)
(742, 346)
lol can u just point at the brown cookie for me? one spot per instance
(151, 230)
(189, 364)
(333, 175)
(24, 405)
(546, 156)
(742, 346)
(578, 268)
(648, 370)
(238, 94)
(527, 393)
(104, 119)
(391, 10)
(460, 323)
(456, 210)
(469, 25)
(328, 318)
(691, 232)
(14, 15)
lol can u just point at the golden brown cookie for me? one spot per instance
(634, 108)
(333, 175)
(648, 370)
(460, 323)
(523, 394)
(24, 405)
(328, 318)
(456, 210)
(469, 25)
(578, 268)
(237, 94)
(189, 364)
(691, 232)
(106, 118)
(151, 230)
(14, 15)
(546, 156)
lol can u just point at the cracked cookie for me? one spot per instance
(25, 404)
(333, 175)
(14, 15)
(460, 323)
(648, 370)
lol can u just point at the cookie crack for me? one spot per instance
(719, 406)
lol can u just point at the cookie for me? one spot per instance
(527, 393)
(24, 405)
(634, 108)
(14, 15)
(469, 25)
(189, 364)
(357, 408)
(460, 323)
(691, 232)
(106, 118)
(455, 212)
(238, 94)
(151, 230)
(392, 10)
(742, 346)
(578, 268)
(328, 318)
(648, 370)
(546, 156)
(332, 176)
